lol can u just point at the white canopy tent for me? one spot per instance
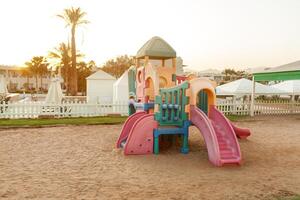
(290, 71)
(244, 87)
(54, 94)
(121, 89)
(291, 87)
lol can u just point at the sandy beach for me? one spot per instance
(81, 162)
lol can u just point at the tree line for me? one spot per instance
(231, 75)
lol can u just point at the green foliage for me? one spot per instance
(231, 74)
(37, 67)
(26, 73)
(116, 67)
(60, 57)
(73, 16)
(236, 118)
(61, 60)
(84, 70)
(61, 121)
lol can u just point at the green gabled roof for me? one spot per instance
(156, 47)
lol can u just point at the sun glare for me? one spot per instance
(206, 34)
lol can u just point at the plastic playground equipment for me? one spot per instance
(168, 104)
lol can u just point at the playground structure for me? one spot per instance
(168, 104)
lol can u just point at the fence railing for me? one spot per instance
(66, 109)
(261, 107)
(82, 109)
(81, 99)
(230, 107)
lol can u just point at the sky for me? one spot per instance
(206, 34)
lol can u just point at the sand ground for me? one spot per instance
(81, 162)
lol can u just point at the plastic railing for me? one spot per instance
(171, 103)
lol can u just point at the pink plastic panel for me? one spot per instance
(128, 125)
(140, 138)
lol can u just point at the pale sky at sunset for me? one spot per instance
(206, 34)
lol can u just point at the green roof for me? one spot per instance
(156, 47)
(290, 71)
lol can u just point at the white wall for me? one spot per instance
(121, 93)
(100, 91)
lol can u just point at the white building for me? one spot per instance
(3, 85)
(100, 87)
(16, 80)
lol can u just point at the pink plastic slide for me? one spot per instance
(140, 138)
(241, 133)
(127, 127)
(219, 136)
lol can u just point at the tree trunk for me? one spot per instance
(73, 71)
(67, 75)
(66, 79)
(36, 84)
(42, 81)
(27, 83)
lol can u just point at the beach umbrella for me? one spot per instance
(54, 94)
(244, 87)
(290, 87)
(3, 85)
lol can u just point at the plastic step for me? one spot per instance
(230, 160)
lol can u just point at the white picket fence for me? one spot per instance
(261, 107)
(66, 109)
(230, 107)
(83, 109)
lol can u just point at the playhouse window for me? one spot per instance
(168, 63)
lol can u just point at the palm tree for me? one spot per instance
(43, 70)
(33, 66)
(84, 70)
(26, 73)
(61, 58)
(73, 17)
